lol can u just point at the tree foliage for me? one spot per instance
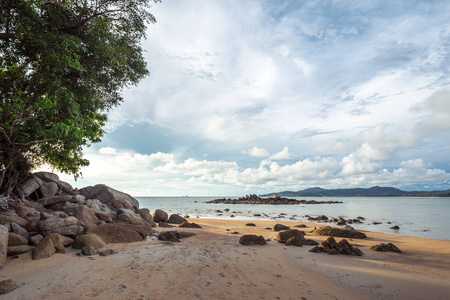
(63, 64)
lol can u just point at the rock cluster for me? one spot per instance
(287, 237)
(330, 246)
(389, 247)
(54, 214)
(339, 221)
(338, 232)
(276, 200)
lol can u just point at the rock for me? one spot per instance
(279, 227)
(48, 189)
(111, 197)
(7, 286)
(63, 226)
(285, 235)
(309, 242)
(189, 225)
(338, 232)
(57, 240)
(47, 201)
(86, 215)
(30, 186)
(146, 215)
(128, 216)
(3, 244)
(43, 250)
(176, 219)
(17, 250)
(47, 176)
(67, 241)
(15, 239)
(251, 239)
(348, 227)
(116, 233)
(293, 241)
(107, 252)
(300, 226)
(103, 216)
(386, 247)
(15, 228)
(91, 239)
(168, 236)
(344, 247)
(10, 216)
(164, 225)
(36, 239)
(250, 224)
(395, 227)
(332, 247)
(160, 216)
(89, 250)
(376, 223)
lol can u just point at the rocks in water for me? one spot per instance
(250, 224)
(15, 239)
(254, 199)
(189, 225)
(44, 249)
(7, 286)
(279, 227)
(251, 239)
(376, 223)
(330, 246)
(319, 218)
(160, 216)
(111, 197)
(338, 232)
(293, 241)
(116, 233)
(91, 240)
(285, 235)
(396, 227)
(176, 219)
(386, 247)
(3, 244)
(107, 252)
(17, 250)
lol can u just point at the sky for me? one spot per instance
(267, 96)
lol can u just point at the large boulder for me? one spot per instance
(30, 186)
(91, 240)
(15, 239)
(116, 233)
(160, 216)
(47, 176)
(15, 228)
(285, 235)
(48, 189)
(111, 197)
(85, 215)
(128, 216)
(46, 201)
(251, 239)
(63, 226)
(9, 216)
(293, 241)
(331, 247)
(338, 232)
(146, 215)
(176, 219)
(3, 244)
(57, 240)
(43, 250)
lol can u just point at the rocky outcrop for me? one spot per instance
(111, 197)
(3, 244)
(160, 216)
(279, 227)
(128, 216)
(338, 232)
(389, 247)
(91, 240)
(62, 225)
(176, 219)
(251, 239)
(330, 246)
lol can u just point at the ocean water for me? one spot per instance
(419, 217)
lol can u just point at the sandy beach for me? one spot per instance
(213, 265)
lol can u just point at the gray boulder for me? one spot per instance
(176, 219)
(91, 240)
(111, 197)
(15, 228)
(47, 176)
(46, 201)
(48, 189)
(85, 215)
(10, 216)
(43, 250)
(15, 239)
(17, 250)
(63, 226)
(145, 214)
(128, 216)
(36, 239)
(31, 185)
(3, 244)
(160, 216)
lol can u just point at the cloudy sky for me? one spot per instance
(264, 96)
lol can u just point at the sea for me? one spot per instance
(417, 217)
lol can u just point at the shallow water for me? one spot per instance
(419, 217)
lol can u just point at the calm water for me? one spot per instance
(420, 217)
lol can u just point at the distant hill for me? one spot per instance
(375, 191)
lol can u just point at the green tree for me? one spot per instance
(63, 64)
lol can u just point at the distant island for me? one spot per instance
(275, 200)
(375, 191)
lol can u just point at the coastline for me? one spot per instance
(213, 265)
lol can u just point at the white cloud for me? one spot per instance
(107, 150)
(217, 129)
(283, 154)
(258, 152)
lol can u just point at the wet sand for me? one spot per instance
(213, 265)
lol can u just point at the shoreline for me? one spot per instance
(213, 265)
